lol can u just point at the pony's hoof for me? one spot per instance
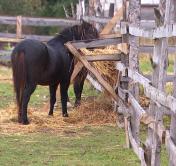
(19, 121)
(77, 104)
(50, 114)
(65, 115)
(26, 122)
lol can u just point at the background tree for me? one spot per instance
(34, 8)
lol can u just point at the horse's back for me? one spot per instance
(32, 49)
(36, 58)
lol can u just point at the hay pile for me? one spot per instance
(91, 112)
(105, 68)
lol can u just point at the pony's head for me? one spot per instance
(88, 31)
(83, 31)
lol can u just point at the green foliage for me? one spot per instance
(54, 8)
(34, 8)
(21, 7)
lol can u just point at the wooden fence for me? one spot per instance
(21, 21)
(161, 103)
(128, 92)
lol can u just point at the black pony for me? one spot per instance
(35, 63)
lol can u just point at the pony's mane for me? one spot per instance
(76, 32)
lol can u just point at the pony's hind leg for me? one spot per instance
(52, 89)
(78, 86)
(64, 96)
(29, 89)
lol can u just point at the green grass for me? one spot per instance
(39, 97)
(85, 146)
(6, 94)
(87, 91)
(96, 147)
(146, 67)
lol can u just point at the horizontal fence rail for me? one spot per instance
(150, 91)
(123, 95)
(31, 21)
(160, 32)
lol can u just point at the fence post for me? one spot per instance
(134, 20)
(158, 80)
(18, 27)
(173, 116)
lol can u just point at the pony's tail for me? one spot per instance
(19, 78)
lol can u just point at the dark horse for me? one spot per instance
(35, 63)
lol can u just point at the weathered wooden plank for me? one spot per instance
(169, 78)
(123, 93)
(76, 70)
(147, 24)
(96, 19)
(96, 43)
(104, 36)
(126, 132)
(149, 49)
(158, 129)
(19, 27)
(136, 148)
(6, 36)
(10, 40)
(160, 97)
(121, 83)
(144, 24)
(147, 11)
(115, 57)
(9, 37)
(109, 26)
(9, 20)
(172, 156)
(95, 83)
(146, 118)
(134, 75)
(42, 21)
(160, 32)
(141, 113)
(160, 59)
(171, 149)
(48, 22)
(153, 93)
(134, 10)
(83, 60)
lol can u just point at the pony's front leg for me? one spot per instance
(64, 96)
(28, 90)
(52, 89)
